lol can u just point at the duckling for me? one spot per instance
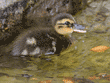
(39, 41)
(46, 41)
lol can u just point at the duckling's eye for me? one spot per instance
(72, 24)
(67, 22)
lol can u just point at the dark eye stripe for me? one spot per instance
(61, 23)
(66, 23)
(60, 26)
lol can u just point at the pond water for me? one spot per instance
(76, 61)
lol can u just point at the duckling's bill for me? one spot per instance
(79, 28)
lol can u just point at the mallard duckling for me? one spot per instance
(46, 41)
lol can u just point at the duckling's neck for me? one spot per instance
(67, 35)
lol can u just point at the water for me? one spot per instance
(79, 62)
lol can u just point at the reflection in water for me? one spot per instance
(7, 61)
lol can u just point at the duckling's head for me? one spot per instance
(65, 23)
